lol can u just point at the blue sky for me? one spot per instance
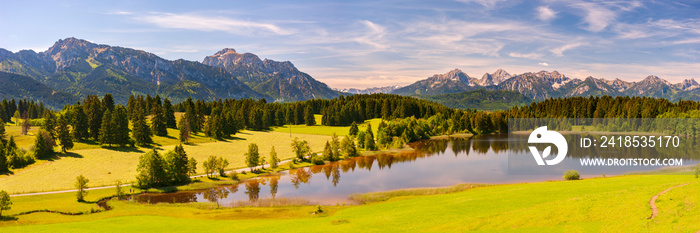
(379, 43)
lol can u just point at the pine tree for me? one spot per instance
(327, 152)
(120, 126)
(353, 129)
(141, 131)
(4, 167)
(108, 102)
(80, 123)
(309, 118)
(185, 131)
(2, 131)
(93, 110)
(158, 121)
(43, 145)
(106, 131)
(49, 124)
(169, 114)
(335, 148)
(369, 139)
(63, 134)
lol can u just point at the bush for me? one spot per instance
(234, 175)
(317, 160)
(697, 170)
(572, 175)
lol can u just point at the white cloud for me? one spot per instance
(544, 13)
(559, 51)
(208, 23)
(374, 36)
(526, 55)
(597, 16)
(543, 64)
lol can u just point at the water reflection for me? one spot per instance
(434, 163)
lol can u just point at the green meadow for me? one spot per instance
(615, 204)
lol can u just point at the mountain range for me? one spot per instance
(544, 84)
(84, 68)
(73, 68)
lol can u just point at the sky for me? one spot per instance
(380, 43)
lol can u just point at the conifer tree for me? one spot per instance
(106, 132)
(80, 123)
(327, 152)
(141, 132)
(353, 129)
(169, 114)
(2, 131)
(63, 134)
(120, 126)
(185, 131)
(4, 167)
(108, 102)
(49, 124)
(309, 118)
(43, 145)
(158, 121)
(93, 110)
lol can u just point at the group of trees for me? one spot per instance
(12, 157)
(215, 164)
(13, 111)
(172, 168)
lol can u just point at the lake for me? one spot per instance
(434, 163)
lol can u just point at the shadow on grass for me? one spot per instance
(125, 149)
(8, 218)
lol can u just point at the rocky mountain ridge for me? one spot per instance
(545, 84)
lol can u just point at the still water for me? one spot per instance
(434, 163)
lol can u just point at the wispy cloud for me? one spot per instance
(559, 51)
(543, 64)
(596, 16)
(545, 13)
(374, 36)
(526, 55)
(485, 3)
(208, 23)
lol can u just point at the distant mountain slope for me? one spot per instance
(450, 82)
(480, 99)
(15, 86)
(543, 85)
(280, 80)
(371, 90)
(81, 67)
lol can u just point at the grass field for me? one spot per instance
(106, 166)
(327, 130)
(593, 205)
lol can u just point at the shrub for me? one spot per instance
(317, 160)
(697, 170)
(234, 175)
(572, 175)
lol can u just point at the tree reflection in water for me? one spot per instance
(252, 188)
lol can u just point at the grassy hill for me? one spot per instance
(480, 99)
